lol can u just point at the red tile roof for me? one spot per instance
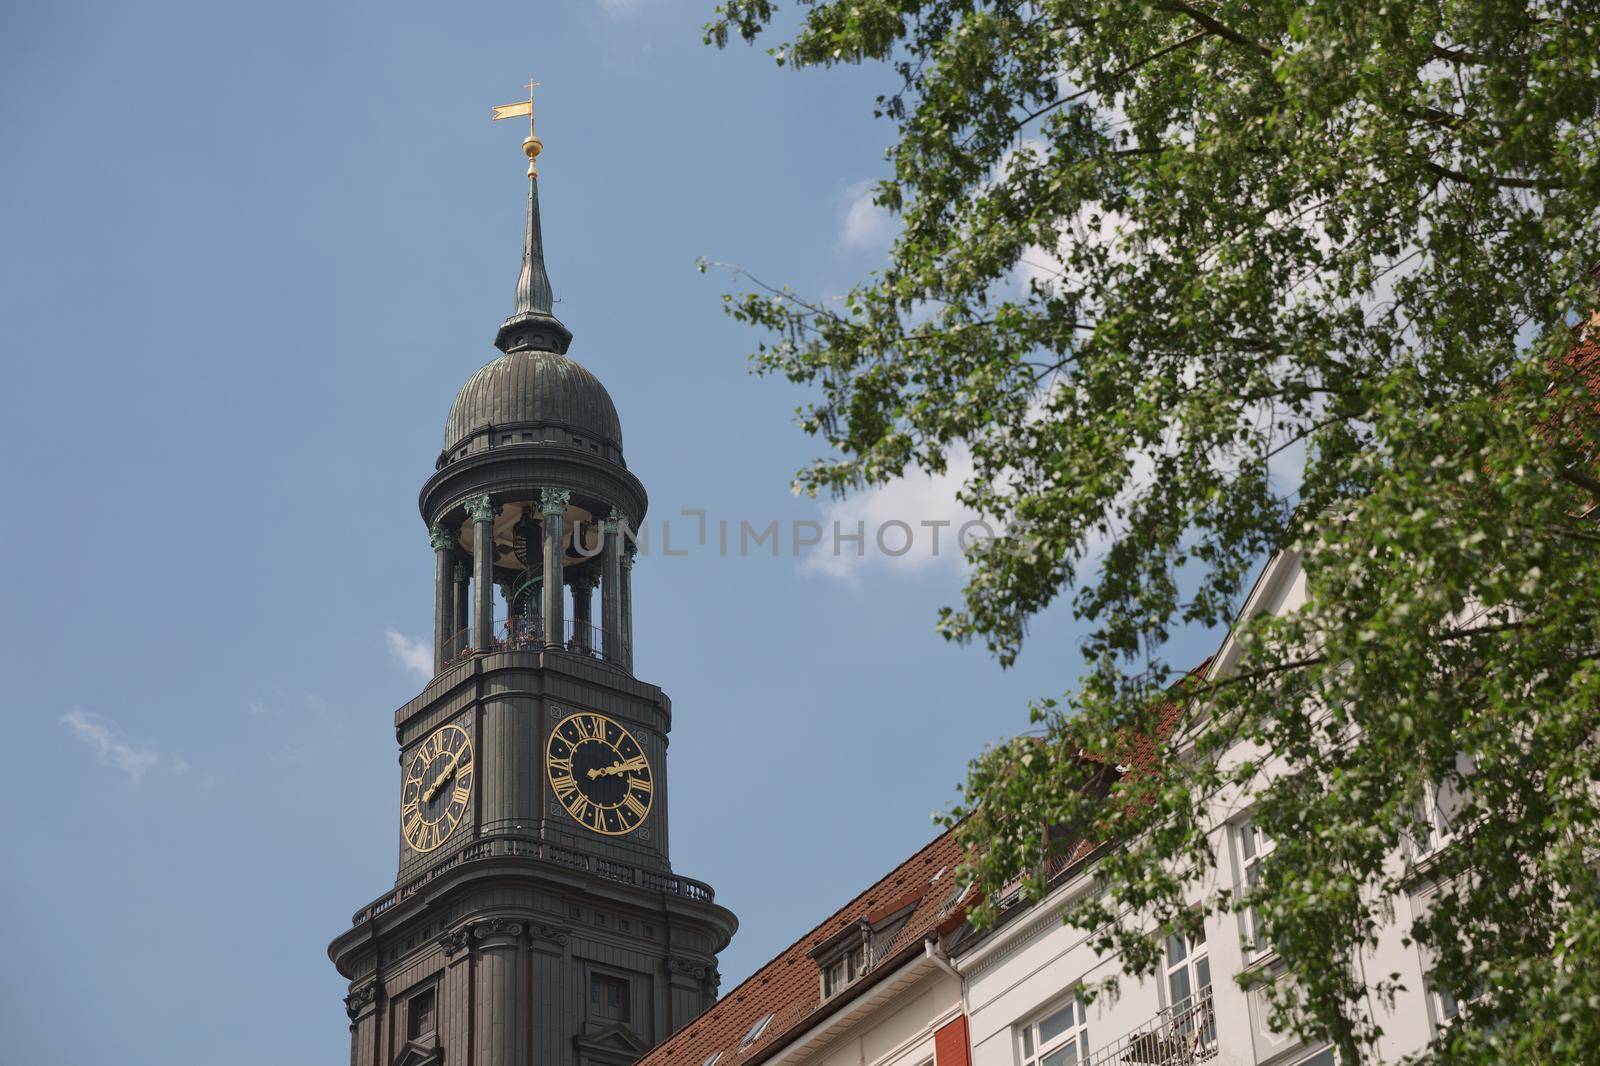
(790, 986)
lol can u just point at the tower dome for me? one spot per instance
(529, 395)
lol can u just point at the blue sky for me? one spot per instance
(251, 252)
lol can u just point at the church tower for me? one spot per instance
(535, 917)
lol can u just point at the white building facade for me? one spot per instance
(1022, 979)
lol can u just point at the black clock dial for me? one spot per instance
(437, 789)
(599, 773)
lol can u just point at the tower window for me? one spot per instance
(420, 1014)
(608, 998)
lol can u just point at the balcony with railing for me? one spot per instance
(517, 847)
(1179, 1035)
(527, 634)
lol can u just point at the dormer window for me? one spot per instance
(847, 955)
(842, 971)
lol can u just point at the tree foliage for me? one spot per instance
(1193, 281)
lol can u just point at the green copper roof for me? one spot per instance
(543, 393)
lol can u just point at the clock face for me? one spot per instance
(437, 789)
(599, 773)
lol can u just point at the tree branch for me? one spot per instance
(1114, 75)
(1458, 55)
(1582, 480)
(1493, 179)
(1227, 33)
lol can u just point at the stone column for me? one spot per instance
(365, 1022)
(553, 971)
(626, 588)
(455, 995)
(583, 583)
(444, 556)
(500, 1025)
(553, 504)
(610, 589)
(482, 511)
(463, 577)
(688, 981)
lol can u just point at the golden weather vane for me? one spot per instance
(531, 145)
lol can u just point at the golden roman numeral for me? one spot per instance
(462, 794)
(564, 785)
(640, 785)
(561, 766)
(634, 806)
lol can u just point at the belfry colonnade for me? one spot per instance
(573, 555)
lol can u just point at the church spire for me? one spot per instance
(533, 323)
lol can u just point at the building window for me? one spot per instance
(1254, 846)
(755, 1032)
(711, 1059)
(1435, 818)
(608, 998)
(1188, 969)
(841, 972)
(1060, 1037)
(1446, 1007)
(420, 1014)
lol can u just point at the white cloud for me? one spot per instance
(907, 525)
(617, 7)
(866, 225)
(110, 748)
(414, 655)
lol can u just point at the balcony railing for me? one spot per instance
(1179, 1035)
(524, 847)
(525, 634)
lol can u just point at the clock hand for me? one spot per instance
(636, 763)
(444, 775)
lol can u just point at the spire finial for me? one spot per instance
(531, 145)
(532, 324)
